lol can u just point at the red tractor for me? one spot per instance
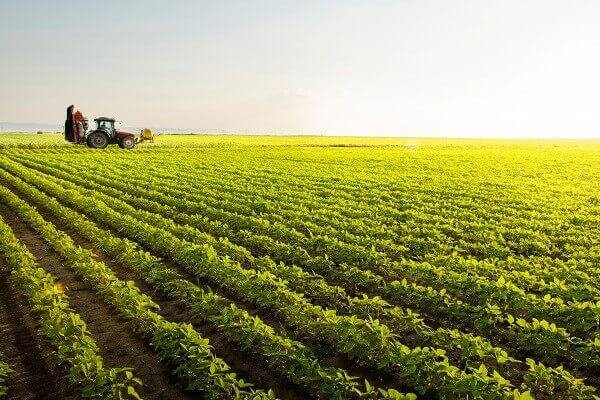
(101, 136)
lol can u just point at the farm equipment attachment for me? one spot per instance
(145, 135)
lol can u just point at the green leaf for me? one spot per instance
(131, 391)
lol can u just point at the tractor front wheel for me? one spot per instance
(127, 142)
(97, 140)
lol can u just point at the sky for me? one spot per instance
(481, 68)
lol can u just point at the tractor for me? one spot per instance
(106, 133)
(101, 136)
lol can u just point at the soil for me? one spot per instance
(118, 345)
(36, 374)
(178, 313)
(254, 370)
(110, 331)
(243, 363)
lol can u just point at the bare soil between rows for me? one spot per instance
(36, 374)
(244, 364)
(119, 346)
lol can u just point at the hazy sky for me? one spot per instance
(455, 68)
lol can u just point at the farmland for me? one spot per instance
(228, 267)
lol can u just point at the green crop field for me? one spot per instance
(263, 267)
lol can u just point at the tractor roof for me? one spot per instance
(100, 119)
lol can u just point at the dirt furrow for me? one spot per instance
(118, 345)
(243, 363)
(36, 375)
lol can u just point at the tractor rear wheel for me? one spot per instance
(97, 140)
(127, 142)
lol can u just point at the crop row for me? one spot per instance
(578, 290)
(539, 338)
(368, 342)
(349, 189)
(426, 230)
(5, 371)
(313, 205)
(459, 346)
(352, 208)
(514, 236)
(283, 355)
(365, 190)
(189, 353)
(448, 232)
(63, 329)
(581, 317)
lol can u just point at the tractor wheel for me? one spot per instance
(97, 140)
(128, 142)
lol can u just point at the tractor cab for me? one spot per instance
(105, 124)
